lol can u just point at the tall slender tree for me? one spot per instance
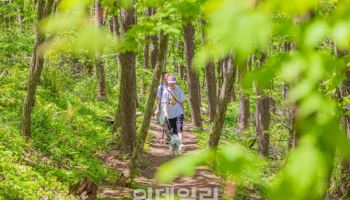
(210, 81)
(179, 53)
(146, 52)
(224, 99)
(127, 104)
(116, 31)
(100, 70)
(192, 76)
(220, 75)
(291, 108)
(148, 12)
(37, 63)
(262, 116)
(157, 72)
(244, 104)
(154, 42)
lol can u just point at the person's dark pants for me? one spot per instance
(175, 124)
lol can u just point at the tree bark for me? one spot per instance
(220, 73)
(157, 72)
(100, 70)
(36, 66)
(154, 43)
(210, 82)
(263, 118)
(224, 99)
(127, 104)
(154, 50)
(293, 138)
(110, 25)
(146, 52)
(211, 86)
(225, 66)
(244, 103)
(116, 30)
(180, 53)
(146, 48)
(291, 107)
(244, 113)
(101, 77)
(192, 76)
(115, 26)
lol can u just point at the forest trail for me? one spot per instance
(204, 181)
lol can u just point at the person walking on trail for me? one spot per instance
(173, 98)
(160, 111)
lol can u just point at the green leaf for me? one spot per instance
(315, 32)
(305, 175)
(183, 165)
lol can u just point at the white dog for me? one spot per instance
(175, 143)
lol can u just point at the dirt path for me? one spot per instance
(203, 185)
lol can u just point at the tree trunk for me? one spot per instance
(263, 118)
(115, 26)
(232, 93)
(146, 48)
(192, 76)
(291, 107)
(154, 50)
(244, 104)
(101, 77)
(291, 115)
(224, 99)
(157, 72)
(146, 52)
(110, 25)
(118, 115)
(100, 70)
(293, 137)
(127, 94)
(211, 86)
(154, 43)
(244, 113)
(211, 82)
(145, 63)
(220, 75)
(116, 31)
(179, 64)
(36, 66)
